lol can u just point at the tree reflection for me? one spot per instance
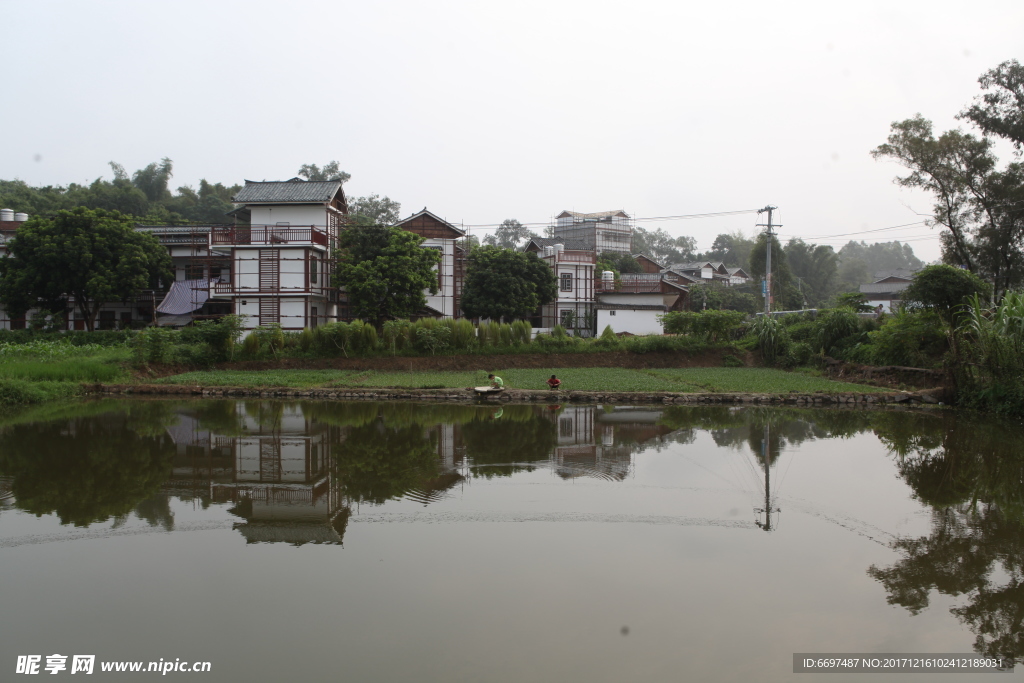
(84, 470)
(499, 446)
(970, 472)
(378, 462)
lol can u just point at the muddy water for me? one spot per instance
(399, 542)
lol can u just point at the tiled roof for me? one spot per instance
(294, 191)
(599, 214)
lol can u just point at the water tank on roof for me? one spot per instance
(21, 217)
(6, 214)
(559, 248)
(607, 277)
(549, 251)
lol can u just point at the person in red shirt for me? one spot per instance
(554, 382)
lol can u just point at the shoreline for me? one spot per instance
(931, 397)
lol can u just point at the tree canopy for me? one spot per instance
(662, 247)
(943, 288)
(510, 234)
(330, 171)
(501, 283)
(95, 256)
(979, 205)
(374, 210)
(385, 271)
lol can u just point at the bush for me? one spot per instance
(772, 339)
(522, 332)
(913, 339)
(251, 345)
(835, 327)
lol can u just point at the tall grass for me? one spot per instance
(70, 370)
(988, 355)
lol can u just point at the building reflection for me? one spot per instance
(273, 471)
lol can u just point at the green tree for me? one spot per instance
(817, 266)
(94, 256)
(374, 210)
(330, 171)
(980, 207)
(787, 296)
(509, 234)
(733, 249)
(1001, 112)
(385, 271)
(506, 284)
(151, 180)
(662, 247)
(944, 288)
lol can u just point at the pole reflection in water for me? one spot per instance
(950, 522)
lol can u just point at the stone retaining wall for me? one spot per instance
(928, 396)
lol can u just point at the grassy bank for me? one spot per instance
(44, 370)
(686, 380)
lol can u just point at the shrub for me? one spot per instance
(772, 338)
(835, 326)
(251, 345)
(913, 339)
(307, 340)
(558, 332)
(522, 332)
(395, 335)
(731, 361)
(505, 334)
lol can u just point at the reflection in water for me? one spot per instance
(292, 472)
(972, 475)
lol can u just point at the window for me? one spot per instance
(566, 280)
(313, 319)
(126, 320)
(194, 272)
(313, 269)
(611, 312)
(566, 319)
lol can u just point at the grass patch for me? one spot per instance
(70, 370)
(683, 380)
(17, 392)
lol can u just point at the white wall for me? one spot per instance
(309, 214)
(634, 322)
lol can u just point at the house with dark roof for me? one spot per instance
(442, 236)
(887, 288)
(279, 251)
(706, 272)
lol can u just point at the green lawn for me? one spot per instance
(688, 380)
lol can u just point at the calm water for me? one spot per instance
(399, 542)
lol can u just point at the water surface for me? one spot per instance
(398, 542)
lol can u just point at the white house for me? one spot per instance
(442, 236)
(636, 302)
(573, 309)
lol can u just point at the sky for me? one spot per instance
(487, 111)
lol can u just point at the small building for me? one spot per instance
(705, 272)
(887, 288)
(573, 309)
(738, 276)
(635, 303)
(442, 236)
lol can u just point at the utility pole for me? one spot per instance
(766, 451)
(768, 256)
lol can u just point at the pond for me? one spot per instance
(450, 542)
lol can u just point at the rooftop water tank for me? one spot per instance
(607, 276)
(21, 217)
(6, 214)
(559, 248)
(549, 251)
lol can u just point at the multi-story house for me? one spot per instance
(280, 252)
(573, 309)
(599, 232)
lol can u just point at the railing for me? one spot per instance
(222, 288)
(268, 234)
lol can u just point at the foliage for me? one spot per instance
(509, 235)
(19, 392)
(772, 338)
(385, 271)
(710, 325)
(330, 171)
(852, 300)
(374, 210)
(834, 326)
(979, 205)
(380, 461)
(506, 284)
(1001, 112)
(989, 359)
(944, 289)
(662, 247)
(906, 338)
(816, 266)
(739, 298)
(786, 295)
(617, 263)
(95, 256)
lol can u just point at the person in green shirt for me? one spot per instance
(496, 382)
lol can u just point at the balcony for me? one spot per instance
(273, 235)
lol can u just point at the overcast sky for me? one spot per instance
(486, 111)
